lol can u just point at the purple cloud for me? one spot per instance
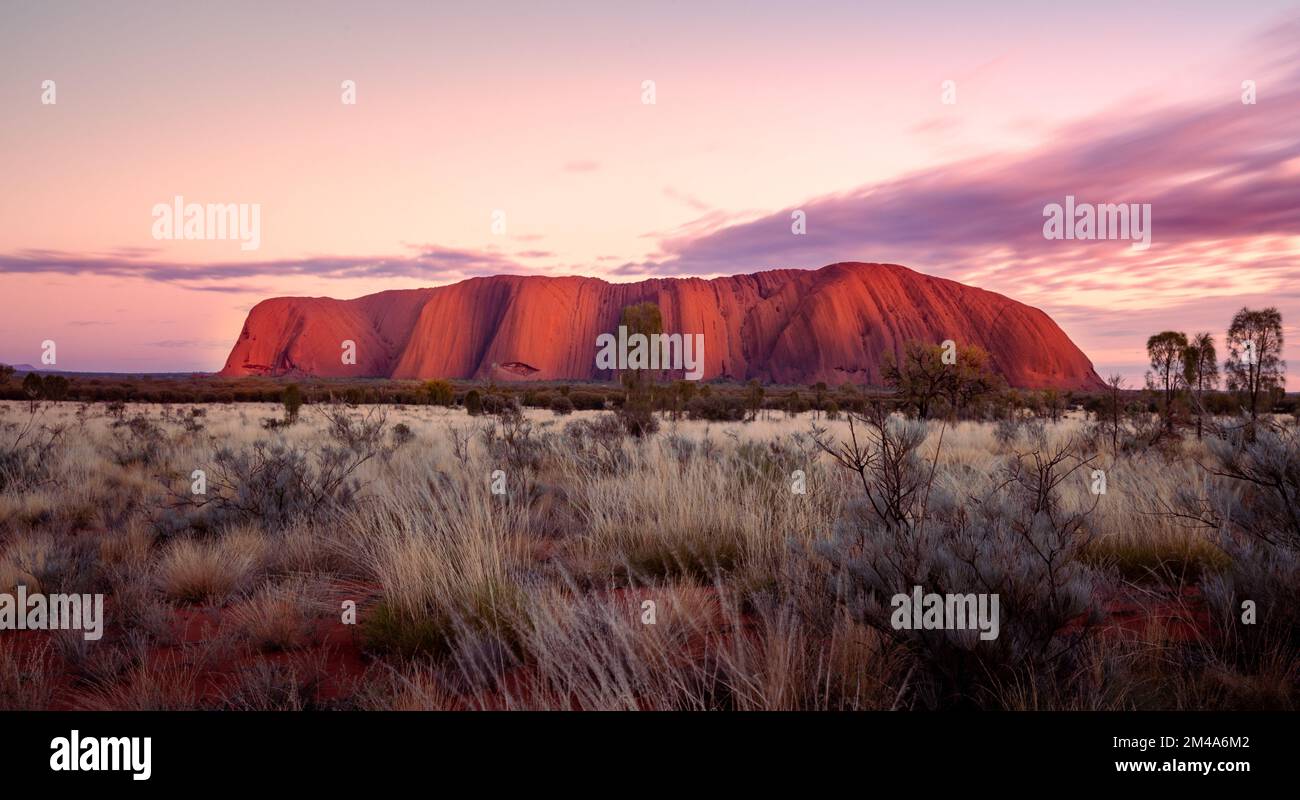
(429, 261)
(1219, 171)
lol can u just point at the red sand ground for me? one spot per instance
(336, 651)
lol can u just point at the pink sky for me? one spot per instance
(536, 111)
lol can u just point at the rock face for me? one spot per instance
(785, 326)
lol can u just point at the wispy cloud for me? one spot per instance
(427, 262)
(190, 344)
(686, 199)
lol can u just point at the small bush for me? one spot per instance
(561, 405)
(292, 400)
(402, 435)
(1016, 541)
(638, 417)
(27, 453)
(587, 401)
(717, 408)
(596, 445)
(272, 483)
(137, 441)
(438, 393)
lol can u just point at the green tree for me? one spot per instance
(1052, 403)
(6, 372)
(637, 411)
(645, 319)
(971, 379)
(1166, 351)
(794, 404)
(1114, 388)
(1200, 371)
(921, 378)
(683, 393)
(918, 375)
(850, 398)
(1255, 367)
(56, 388)
(292, 400)
(34, 388)
(819, 397)
(754, 397)
(474, 402)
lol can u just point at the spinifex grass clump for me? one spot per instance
(444, 553)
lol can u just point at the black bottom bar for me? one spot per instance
(330, 750)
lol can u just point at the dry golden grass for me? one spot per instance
(198, 571)
(167, 684)
(282, 616)
(534, 599)
(26, 681)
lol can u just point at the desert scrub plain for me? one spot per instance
(504, 561)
